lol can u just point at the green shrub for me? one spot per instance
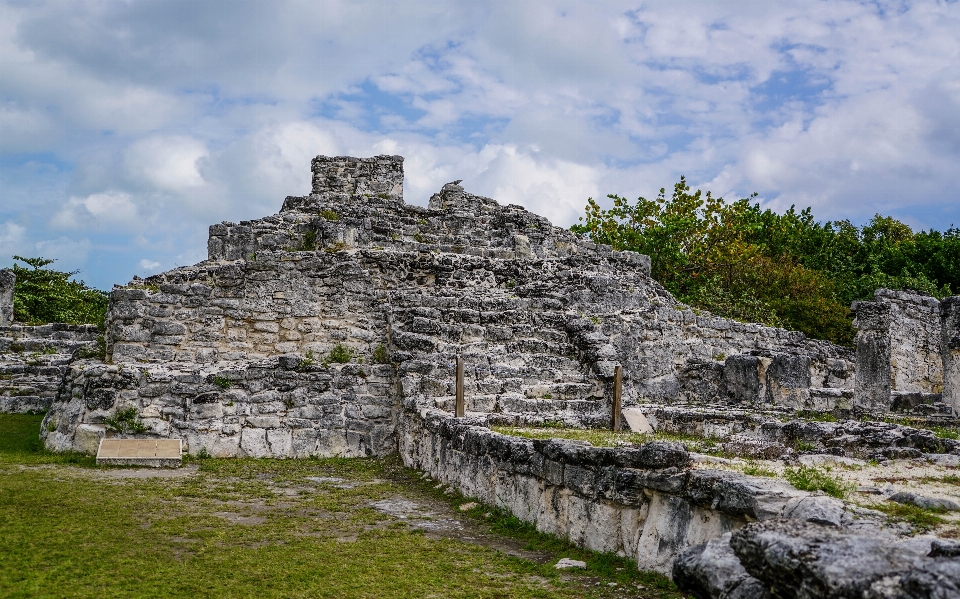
(308, 243)
(126, 420)
(340, 354)
(328, 214)
(380, 355)
(742, 262)
(43, 295)
(222, 382)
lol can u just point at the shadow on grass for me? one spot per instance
(20, 443)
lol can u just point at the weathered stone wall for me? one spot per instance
(899, 361)
(950, 348)
(646, 503)
(7, 282)
(33, 360)
(540, 315)
(281, 407)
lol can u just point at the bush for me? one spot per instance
(340, 354)
(126, 420)
(43, 295)
(786, 270)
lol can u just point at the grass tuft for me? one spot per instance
(806, 478)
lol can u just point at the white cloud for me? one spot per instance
(168, 163)
(12, 239)
(96, 211)
(148, 265)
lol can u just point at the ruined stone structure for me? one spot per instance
(34, 360)
(234, 354)
(7, 282)
(899, 356)
(950, 351)
(332, 328)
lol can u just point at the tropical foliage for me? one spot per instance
(740, 261)
(43, 295)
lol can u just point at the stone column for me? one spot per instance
(7, 281)
(950, 328)
(871, 388)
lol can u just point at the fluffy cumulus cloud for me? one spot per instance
(128, 127)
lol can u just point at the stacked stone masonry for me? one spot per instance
(7, 282)
(34, 360)
(700, 525)
(901, 349)
(541, 316)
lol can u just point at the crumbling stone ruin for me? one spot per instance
(332, 328)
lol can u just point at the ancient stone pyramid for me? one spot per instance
(304, 332)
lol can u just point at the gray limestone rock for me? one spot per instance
(803, 560)
(8, 281)
(712, 571)
(817, 509)
(927, 503)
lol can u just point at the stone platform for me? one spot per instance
(158, 453)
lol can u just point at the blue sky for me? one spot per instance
(127, 128)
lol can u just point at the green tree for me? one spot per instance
(43, 295)
(740, 261)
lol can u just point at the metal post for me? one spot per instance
(459, 410)
(617, 391)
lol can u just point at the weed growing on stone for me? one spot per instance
(222, 382)
(308, 243)
(816, 416)
(946, 432)
(380, 355)
(340, 354)
(126, 420)
(328, 214)
(306, 361)
(752, 469)
(98, 351)
(806, 478)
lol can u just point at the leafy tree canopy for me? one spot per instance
(43, 295)
(742, 262)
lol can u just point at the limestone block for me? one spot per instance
(788, 381)
(872, 376)
(7, 282)
(253, 442)
(744, 378)
(950, 351)
(86, 438)
(636, 420)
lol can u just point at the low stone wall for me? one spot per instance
(646, 503)
(33, 360)
(281, 408)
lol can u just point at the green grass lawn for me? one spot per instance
(268, 528)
